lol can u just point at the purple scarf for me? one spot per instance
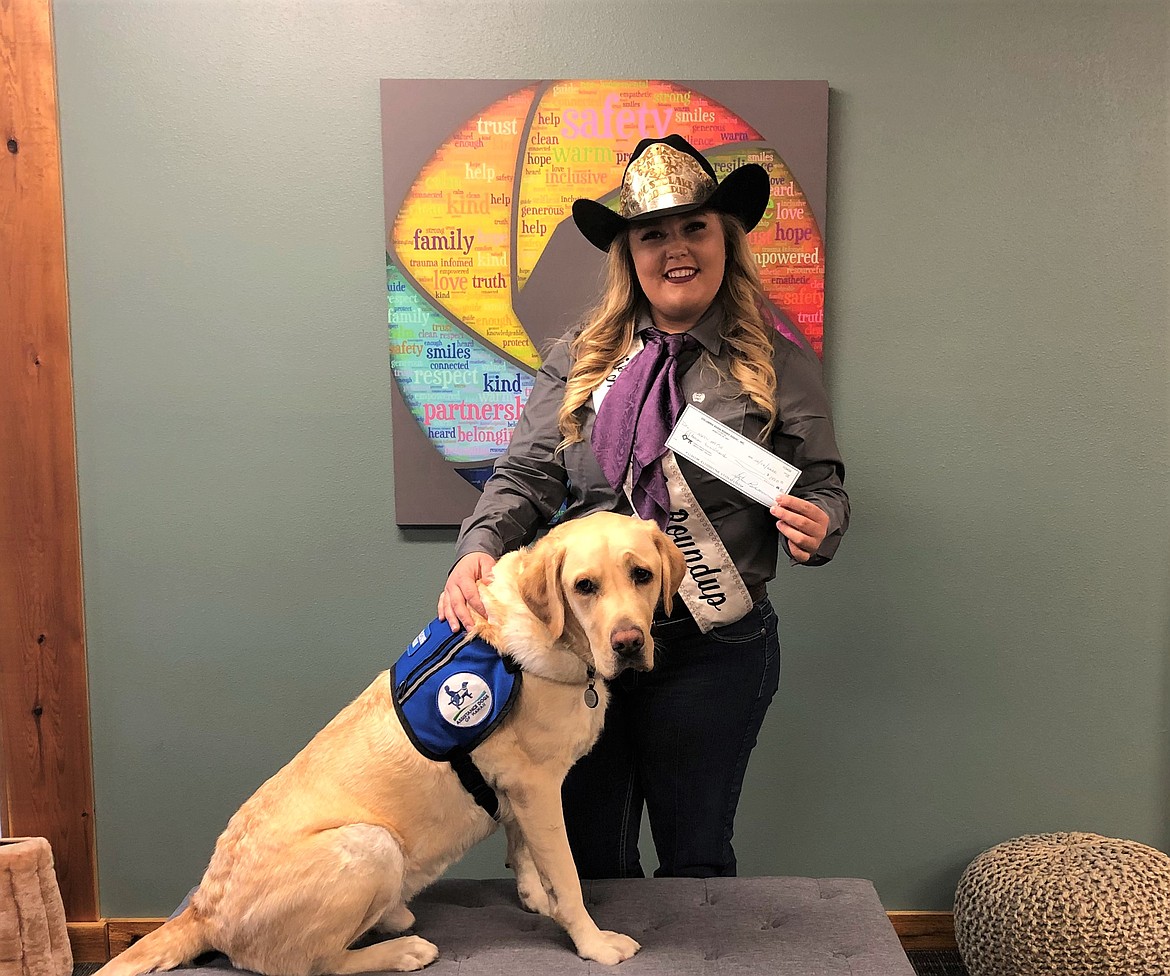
(636, 417)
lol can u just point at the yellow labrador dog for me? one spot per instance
(342, 838)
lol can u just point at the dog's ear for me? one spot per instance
(673, 567)
(540, 585)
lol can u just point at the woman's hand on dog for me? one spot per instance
(461, 594)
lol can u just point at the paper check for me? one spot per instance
(731, 457)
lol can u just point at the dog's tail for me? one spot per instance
(170, 945)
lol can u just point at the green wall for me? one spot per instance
(988, 655)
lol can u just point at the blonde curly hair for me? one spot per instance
(609, 328)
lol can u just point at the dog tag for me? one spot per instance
(591, 698)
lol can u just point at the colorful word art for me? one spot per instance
(467, 227)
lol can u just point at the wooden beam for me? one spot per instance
(45, 758)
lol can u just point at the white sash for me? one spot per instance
(711, 588)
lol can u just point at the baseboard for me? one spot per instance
(102, 940)
(924, 930)
(88, 941)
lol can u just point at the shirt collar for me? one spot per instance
(707, 331)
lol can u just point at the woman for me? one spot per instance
(681, 320)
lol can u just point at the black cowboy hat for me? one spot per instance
(669, 176)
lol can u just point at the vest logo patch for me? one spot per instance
(698, 397)
(465, 700)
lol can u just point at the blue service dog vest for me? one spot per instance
(450, 694)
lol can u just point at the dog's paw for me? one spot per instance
(413, 952)
(608, 948)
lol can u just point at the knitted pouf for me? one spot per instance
(1069, 904)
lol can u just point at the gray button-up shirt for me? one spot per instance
(531, 481)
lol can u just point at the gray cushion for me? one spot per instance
(780, 926)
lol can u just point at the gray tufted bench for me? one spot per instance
(764, 926)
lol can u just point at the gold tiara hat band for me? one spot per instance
(663, 178)
(669, 176)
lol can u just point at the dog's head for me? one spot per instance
(595, 582)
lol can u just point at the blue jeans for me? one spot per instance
(676, 739)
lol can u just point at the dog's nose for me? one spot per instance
(627, 642)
